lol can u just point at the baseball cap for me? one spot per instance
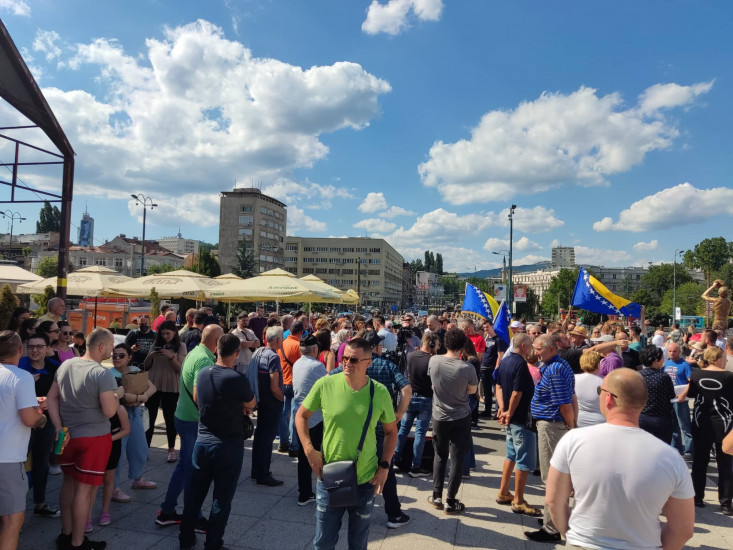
(516, 324)
(373, 339)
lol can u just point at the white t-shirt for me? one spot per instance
(622, 479)
(17, 391)
(589, 407)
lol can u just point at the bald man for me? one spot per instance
(186, 420)
(649, 477)
(680, 370)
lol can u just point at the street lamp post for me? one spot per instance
(510, 284)
(503, 254)
(674, 284)
(13, 216)
(146, 202)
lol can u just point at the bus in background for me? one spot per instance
(695, 320)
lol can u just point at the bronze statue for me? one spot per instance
(721, 304)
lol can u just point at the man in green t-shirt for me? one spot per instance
(186, 420)
(344, 401)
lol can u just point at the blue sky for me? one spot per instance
(420, 121)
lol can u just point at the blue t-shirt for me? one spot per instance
(555, 388)
(678, 371)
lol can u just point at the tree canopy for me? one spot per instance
(709, 255)
(49, 219)
(245, 266)
(206, 264)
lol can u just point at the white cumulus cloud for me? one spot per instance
(440, 226)
(532, 220)
(396, 211)
(16, 7)
(299, 222)
(376, 225)
(600, 256)
(646, 247)
(394, 16)
(316, 195)
(530, 259)
(46, 42)
(579, 138)
(373, 202)
(683, 204)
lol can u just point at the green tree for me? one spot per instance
(709, 255)
(245, 266)
(154, 303)
(42, 300)
(726, 274)
(48, 266)
(451, 287)
(688, 299)
(428, 262)
(416, 265)
(153, 269)
(206, 264)
(8, 303)
(659, 279)
(439, 264)
(481, 284)
(208, 246)
(49, 219)
(559, 292)
(528, 309)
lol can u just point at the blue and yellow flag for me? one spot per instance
(479, 303)
(590, 294)
(503, 322)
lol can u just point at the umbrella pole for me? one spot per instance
(229, 313)
(95, 311)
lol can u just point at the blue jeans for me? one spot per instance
(286, 428)
(420, 408)
(181, 478)
(134, 447)
(521, 447)
(328, 520)
(220, 463)
(682, 428)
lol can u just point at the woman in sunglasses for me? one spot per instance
(63, 348)
(657, 416)
(50, 329)
(134, 446)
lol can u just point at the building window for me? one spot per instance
(82, 262)
(360, 250)
(374, 261)
(307, 270)
(321, 249)
(348, 250)
(335, 250)
(100, 261)
(291, 247)
(263, 210)
(246, 208)
(118, 263)
(375, 250)
(245, 231)
(291, 259)
(321, 270)
(307, 249)
(245, 220)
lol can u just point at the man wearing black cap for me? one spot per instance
(306, 371)
(386, 372)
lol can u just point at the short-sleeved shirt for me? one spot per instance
(289, 354)
(306, 371)
(81, 382)
(494, 346)
(713, 394)
(661, 392)
(144, 343)
(417, 373)
(514, 376)
(268, 363)
(221, 420)
(572, 356)
(618, 506)
(245, 354)
(390, 340)
(198, 358)
(45, 374)
(451, 377)
(555, 388)
(478, 343)
(344, 414)
(678, 371)
(610, 362)
(630, 358)
(16, 392)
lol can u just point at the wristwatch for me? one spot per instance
(384, 464)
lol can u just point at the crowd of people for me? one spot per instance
(349, 390)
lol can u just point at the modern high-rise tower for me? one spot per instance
(86, 230)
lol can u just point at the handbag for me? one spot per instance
(339, 478)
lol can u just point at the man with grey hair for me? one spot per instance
(306, 371)
(270, 405)
(435, 327)
(56, 308)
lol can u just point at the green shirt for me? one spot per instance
(344, 413)
(199, 358)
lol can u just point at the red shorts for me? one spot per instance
(85, 458)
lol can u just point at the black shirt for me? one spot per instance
(144, 343)
(441, 341)
(572, 356)
(191, 338)
(417, 373)
(220, 406)
(514, 376)
(631, 358)
(713, 394)
(494, 345)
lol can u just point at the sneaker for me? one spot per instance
(47, 511)
(419, 472)
(727, 509)
(88, 528)
(90, 545)
(454, 507)
(269, 482)
(305, 501)
(699, 503)
(202, 524)
(120, 496)
(143, 484)
(63, 541)
(293, 453)
(283, 448)
(399, 521)
(168, 519)
(542, 536)
(104, 519)
(54, 469)
(436, 502)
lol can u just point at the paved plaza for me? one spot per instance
(269, 518)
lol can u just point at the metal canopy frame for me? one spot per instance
(19, 89)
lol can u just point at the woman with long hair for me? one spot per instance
(63, 347)
(16, 319)
(163, 364)
(27, 329)
(657, 417)
(712, 418)
(325, 355)
(50, 329)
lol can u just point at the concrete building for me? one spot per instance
(563, 256)
(179, 245)
(86, 230)
(539, 281)
(429, 290)
(335, 260)
(408, 287)
(246, 215)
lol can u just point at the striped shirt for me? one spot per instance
(556, 388)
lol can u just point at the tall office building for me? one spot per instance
(179, 245)
(86, 230)
(247, 215)
(563, 256)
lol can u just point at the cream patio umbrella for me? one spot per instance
(345, 296)
(13, 276)
(276, 285)
(174, 284)
(87, 281)
(228, 277)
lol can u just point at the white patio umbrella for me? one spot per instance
(345, 296)
(275, 285)
(174, 284)
(87, 281)
(13, 276)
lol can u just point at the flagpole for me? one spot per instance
(510, 286)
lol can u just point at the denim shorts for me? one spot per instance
(521, 447)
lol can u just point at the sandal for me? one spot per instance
(436, 502)
(456, 508)
(526, 509)
(505, 499)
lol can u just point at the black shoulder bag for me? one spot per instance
(248, 426)
(339, 478)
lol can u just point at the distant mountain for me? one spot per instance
(484, 273)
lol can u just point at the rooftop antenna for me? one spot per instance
(179, 232)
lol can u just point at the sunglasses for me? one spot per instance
(600, 389)
(353, 360)
(65, 333)
(37, 347)
(119, 355)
